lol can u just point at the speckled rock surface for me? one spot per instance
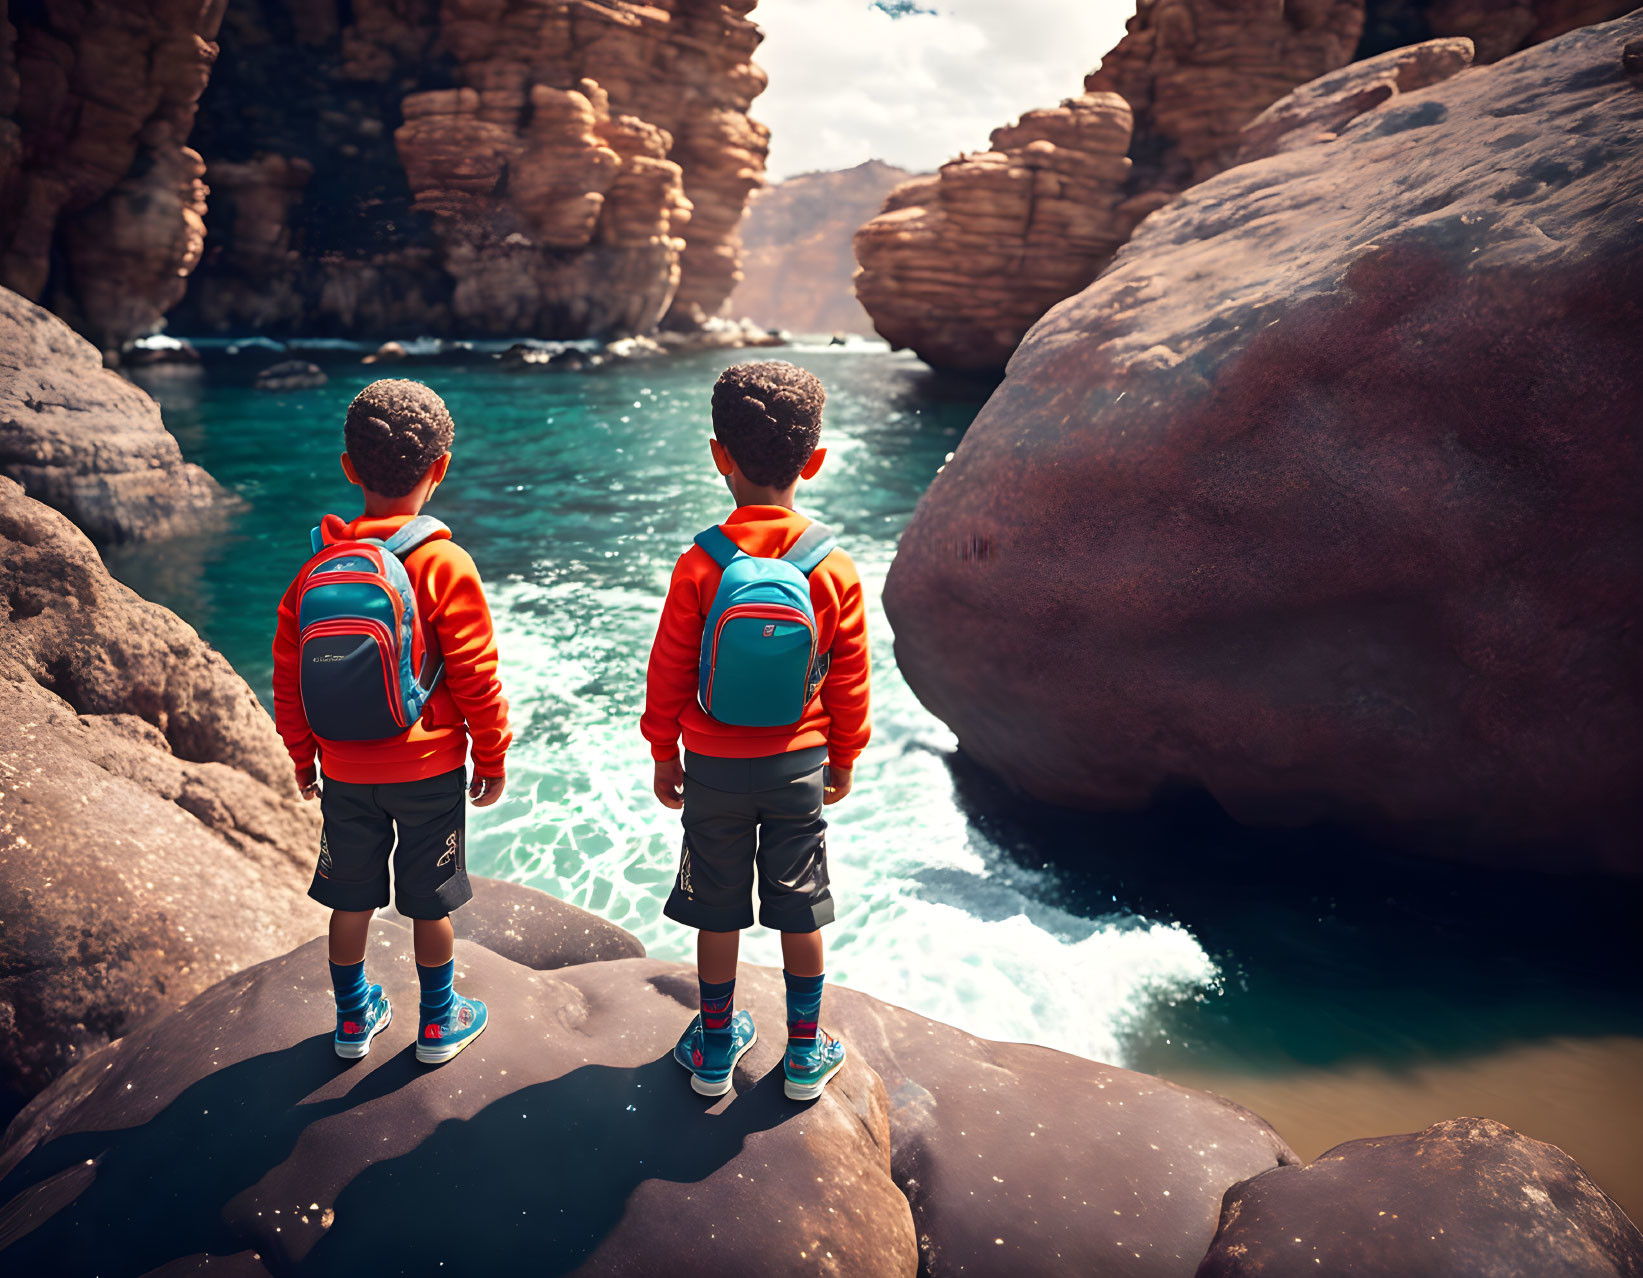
(86, 441)
(1468, 1198)
(565, 1139)
(534, 929)
(151, 838)
(1323, 497)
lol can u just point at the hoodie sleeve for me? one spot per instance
(461, 620)
(289, 718)
(844, 693)
(670, 681)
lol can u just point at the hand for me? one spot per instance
(486, 790)
(835, 783)
(669, 783)
(308, 783)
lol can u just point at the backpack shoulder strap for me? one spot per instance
(815, 543)
(316, 540)
(718, 544)
(413, 533)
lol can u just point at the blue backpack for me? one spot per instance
(760, 661)
(365, 672)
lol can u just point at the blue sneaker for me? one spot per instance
(440, 1039)
(709, 1060)
(810, 1069)
(355, 1030)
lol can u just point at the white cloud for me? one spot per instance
(850, 83)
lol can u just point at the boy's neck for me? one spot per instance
(379, 507)
(747, 494)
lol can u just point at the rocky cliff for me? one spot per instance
(1323, 496)
(797, 261)
(558, 168)
(959, 267)
(101, 199)
(86, 441)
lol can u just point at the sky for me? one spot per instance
(851, 81)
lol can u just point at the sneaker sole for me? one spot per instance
(353, 1051)
(702, 1087)
(439, 1055)
(810, 1091)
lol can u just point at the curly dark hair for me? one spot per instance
(395, 430)
(768, 416)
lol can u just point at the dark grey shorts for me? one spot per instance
(747, 815)
(430, 856)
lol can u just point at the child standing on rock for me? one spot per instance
(760, 665)
(385, 666)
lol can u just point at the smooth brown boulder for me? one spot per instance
(1468, 1198)
(534, 929)
(1323, 497)
(88, 442)
(565, 1139)
(151, 838)
(1023, 1160)
(796, 258)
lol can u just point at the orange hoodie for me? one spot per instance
(836, 716)
(457, 623)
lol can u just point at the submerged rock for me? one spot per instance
(290, 374)
(565, 1139)
(1323, 497)
(151, 838)
(1468, 1198)
(86, 441)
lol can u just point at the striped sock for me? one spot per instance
(803, 1008)
(718, 1005)
(348, 980)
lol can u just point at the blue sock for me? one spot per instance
(803, 1009)
(718, 1005)
(436, 988)
(348, 980)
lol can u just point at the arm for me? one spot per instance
(844, 692)
(289, 718)
(670, 681)
(461, 620)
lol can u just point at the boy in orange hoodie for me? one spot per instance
(752, 796)
(400, 794)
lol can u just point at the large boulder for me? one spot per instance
(534, 929)
(151, 838)
(565, 1139)
(1468, 1198)
(1324, 496)
(87, 441)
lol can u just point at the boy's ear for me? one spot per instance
(348, 470)
(814, 465)
(435, 474)
(722, 458)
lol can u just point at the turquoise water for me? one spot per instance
(575, 493)
(1168, 940)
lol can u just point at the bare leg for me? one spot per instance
(349, 929)
(435, 941)
(802, 953)
(716, 956)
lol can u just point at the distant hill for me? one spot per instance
(796, 256)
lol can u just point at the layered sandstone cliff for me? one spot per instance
(101, 199)
(558, 168)
(960, 280)
(1323, 497)
(797, 261)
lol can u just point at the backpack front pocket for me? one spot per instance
(348, 679)
(772, 649)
